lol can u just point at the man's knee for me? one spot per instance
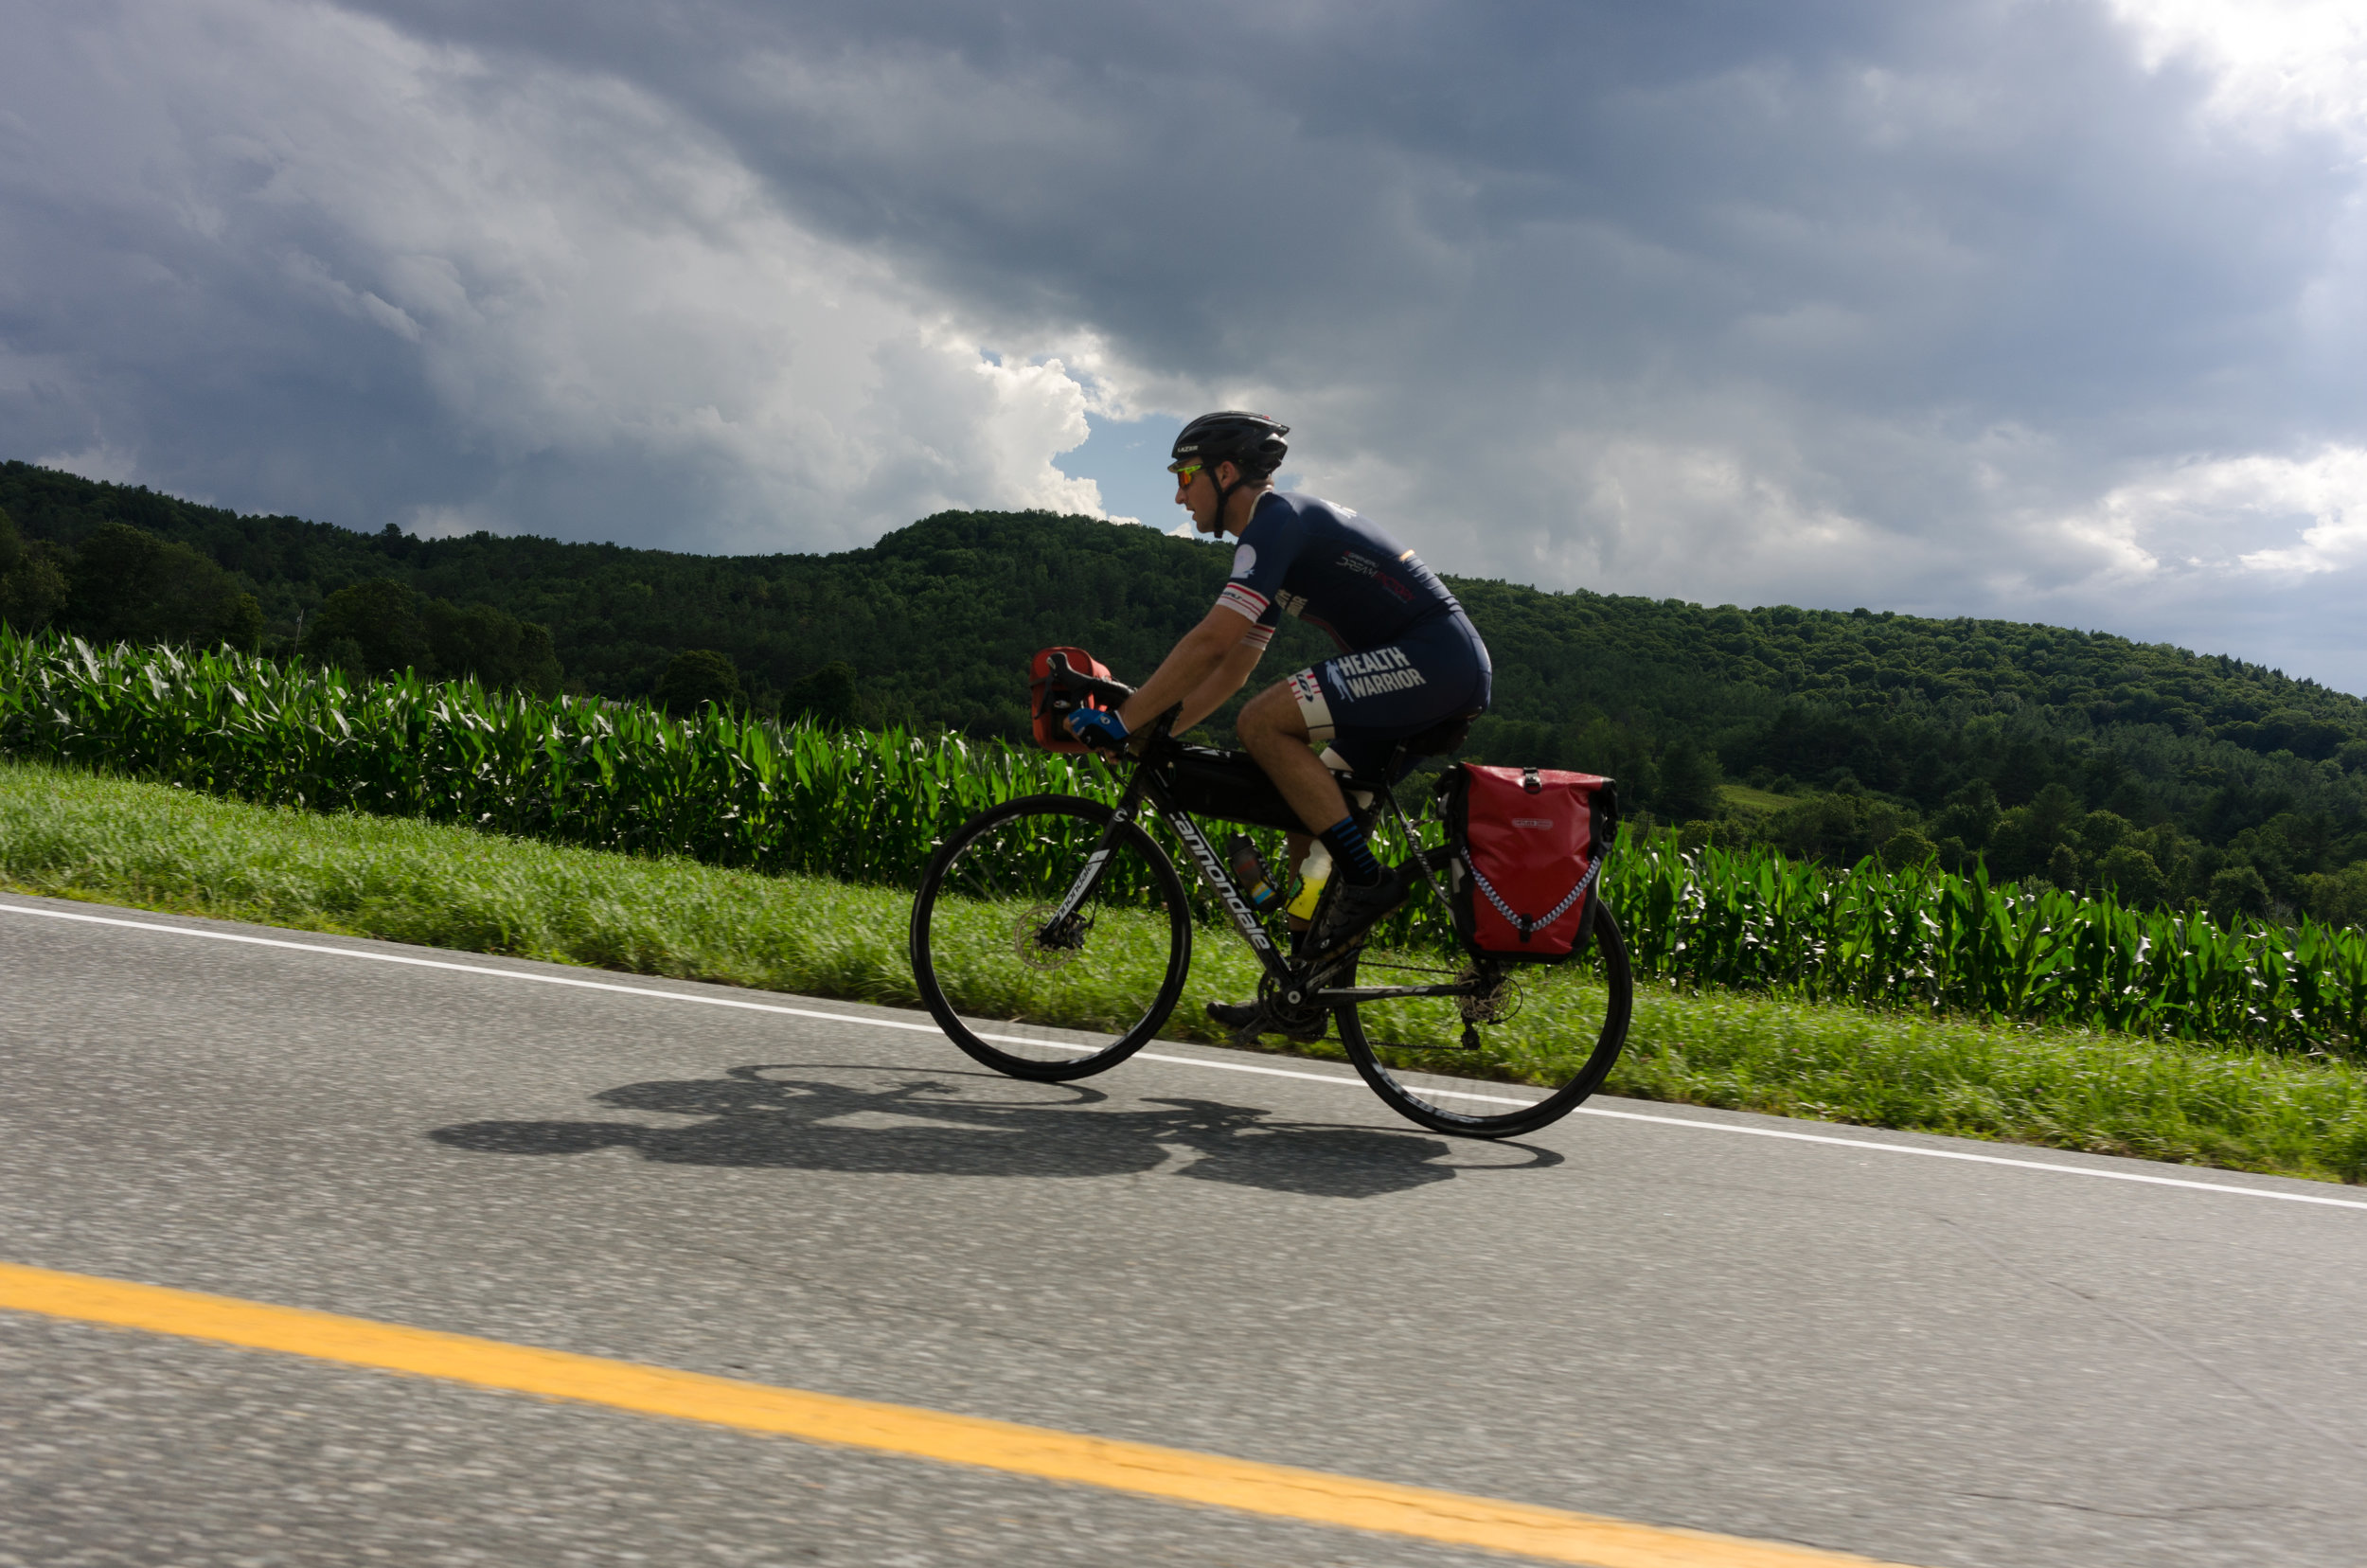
(1272, 715)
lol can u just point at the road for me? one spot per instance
(1662, 1315)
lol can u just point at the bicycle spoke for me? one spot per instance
(1516, 1048)
(995, 965)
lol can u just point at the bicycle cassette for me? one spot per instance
(1497, 1003)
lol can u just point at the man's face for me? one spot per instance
(1195, 493)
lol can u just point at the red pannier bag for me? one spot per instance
(1056, 695)
(1529, 845)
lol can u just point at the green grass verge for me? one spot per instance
(1761, 801)
(74, 836)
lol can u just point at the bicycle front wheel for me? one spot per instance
(1492, 1065)
(1024, 989)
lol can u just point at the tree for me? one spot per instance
(370, 629)
(1971, 814)
(1689, 779)
(2238, 890)
(2025, 839)
(2133, 877)
(492, 644)
(695, 678)
(2101, 831)
(1843, 829)
(1908, 848)
(2339, 898)
(32, 589)
(826, 696)
(127, 585)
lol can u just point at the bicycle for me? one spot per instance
(1069, 900)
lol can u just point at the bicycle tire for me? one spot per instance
(1448, 1090)
(973, 939)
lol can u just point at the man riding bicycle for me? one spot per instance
(1409, 658)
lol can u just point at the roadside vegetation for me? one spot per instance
(732, 790)
(66, 832)
(2077, 759)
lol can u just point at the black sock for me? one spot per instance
(1350, 853)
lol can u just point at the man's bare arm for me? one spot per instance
(1211, 693)
(1197, 656)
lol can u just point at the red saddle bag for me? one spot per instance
(1529, 851)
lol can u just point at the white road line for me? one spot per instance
(1866, 1144)
(465, 969)
(1284, 1072)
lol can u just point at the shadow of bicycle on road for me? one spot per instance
(807, 1118)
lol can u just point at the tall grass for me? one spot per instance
(870, 807)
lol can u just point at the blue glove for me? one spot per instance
(1098, 727)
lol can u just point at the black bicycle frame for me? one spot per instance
(1212, 872)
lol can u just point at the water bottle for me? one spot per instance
(1248, 874)
(1314, 873)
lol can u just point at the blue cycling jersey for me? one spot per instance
(1304, 557)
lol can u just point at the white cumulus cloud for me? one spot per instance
(600, 320)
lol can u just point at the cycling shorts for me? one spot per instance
(1361, 705)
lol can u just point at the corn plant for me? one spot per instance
(722, 788)
(1933, 939)
(870, 807)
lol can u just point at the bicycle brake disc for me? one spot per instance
(1039, 947)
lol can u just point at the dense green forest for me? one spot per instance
(2072, 757)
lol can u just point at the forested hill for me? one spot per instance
(938, 618)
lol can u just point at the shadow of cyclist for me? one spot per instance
(936, 1126)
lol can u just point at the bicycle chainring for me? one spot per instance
(1305, 1020)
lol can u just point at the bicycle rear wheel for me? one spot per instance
(1069, 998)
(1491, 1067)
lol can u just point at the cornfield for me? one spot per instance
(730, 791)
(870, 807)
(1929, 938)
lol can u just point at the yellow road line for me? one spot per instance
(1172, 1475)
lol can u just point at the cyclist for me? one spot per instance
(1409, 657)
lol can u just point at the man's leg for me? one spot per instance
(1274, 732)
(1278, 726)
(1273, 726)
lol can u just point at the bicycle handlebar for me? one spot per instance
(1115, 691)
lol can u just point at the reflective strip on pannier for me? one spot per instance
(1521, 922)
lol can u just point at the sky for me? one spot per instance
(2041, 310)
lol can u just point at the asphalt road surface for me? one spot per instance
(1840, 1341)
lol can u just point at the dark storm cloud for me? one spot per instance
(1952, 306)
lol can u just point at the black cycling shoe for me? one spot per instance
(1355, 907)
(1247, 1021)
(1236, 1016)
